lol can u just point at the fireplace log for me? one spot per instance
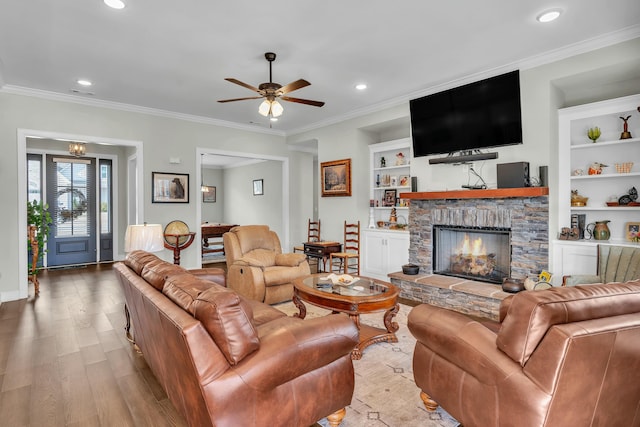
(477, 265)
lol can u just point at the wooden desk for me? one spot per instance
(321, 251)
(213, 231)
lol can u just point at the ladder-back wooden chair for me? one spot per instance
(313, 234)
(349, 258)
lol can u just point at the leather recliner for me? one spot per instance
(256, 267)
(615, 264)
(565, 356)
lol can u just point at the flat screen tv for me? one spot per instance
(478, 115)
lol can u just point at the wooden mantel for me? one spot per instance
(495, 193)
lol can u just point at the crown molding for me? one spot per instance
(584, 46)
(119, 106)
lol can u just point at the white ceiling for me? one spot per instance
(174, 55)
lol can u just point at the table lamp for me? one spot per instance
(146, 237)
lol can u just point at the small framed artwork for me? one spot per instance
(389, 198)
(169, 187)
(393, 182)
(404, 181)
(633, 231)
(209, 196)
(258, 190)
(335, 178)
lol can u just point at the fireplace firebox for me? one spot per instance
(476, 253)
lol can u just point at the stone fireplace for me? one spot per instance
(520, 214)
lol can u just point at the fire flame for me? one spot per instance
(475, 248)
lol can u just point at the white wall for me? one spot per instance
(244, 208)
(543, 89)
(162, 137)
(213, 212)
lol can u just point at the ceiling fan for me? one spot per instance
(272, 92)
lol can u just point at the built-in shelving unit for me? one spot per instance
(580, 152)
(576, 153)
(388, 175)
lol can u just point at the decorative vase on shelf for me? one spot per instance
(383, 162)
(599, 230)
(594, 133)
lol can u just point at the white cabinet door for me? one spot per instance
(573, 258)
(374, 255)
(384, 252)
(397, 251)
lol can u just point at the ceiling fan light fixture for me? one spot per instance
(265, 107)
(276, 109)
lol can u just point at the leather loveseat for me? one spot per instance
(224, 360)
(566, 356)
(256, 267)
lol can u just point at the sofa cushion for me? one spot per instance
(260, 258)
(228, 319)
(531, 314)
(262, 313)
(156, 271)
(279, 275)
(183, 289)
(290, 259)
(136, 260)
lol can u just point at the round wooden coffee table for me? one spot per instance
(363, 296)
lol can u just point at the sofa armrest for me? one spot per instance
(462, 341)
(290, 259)
(580, 279)
(297, 348)
(215, 275)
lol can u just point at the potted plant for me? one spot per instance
(39, 217)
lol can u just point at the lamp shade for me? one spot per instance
(146, 237)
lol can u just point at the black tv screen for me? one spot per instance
(478, 115)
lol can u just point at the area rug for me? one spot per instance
(385, 393)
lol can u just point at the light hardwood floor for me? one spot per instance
(64, 359)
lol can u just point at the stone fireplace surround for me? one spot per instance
(525, 211)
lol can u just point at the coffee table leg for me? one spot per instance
(301, 307)
(391, 326)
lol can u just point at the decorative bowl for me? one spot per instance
(410, 269)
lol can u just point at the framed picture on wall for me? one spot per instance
(209, 196)
(335, 178)
(169, 187)
(258, 190)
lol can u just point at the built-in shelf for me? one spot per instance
(496, 193)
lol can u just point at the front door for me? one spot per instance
(71, 193)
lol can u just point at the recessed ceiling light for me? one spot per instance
(361, 86)
(549, 15)
(274, 119)
(84, 82)
(116, 4)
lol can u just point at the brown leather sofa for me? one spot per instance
(566, 356)
(256, 267)
(224, 360)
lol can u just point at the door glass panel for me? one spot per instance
(34, 176)
(105, 197)
(71, 206)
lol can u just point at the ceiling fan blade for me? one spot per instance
(243, 84)
(298, 84)
(239, 99)
(302, 101)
